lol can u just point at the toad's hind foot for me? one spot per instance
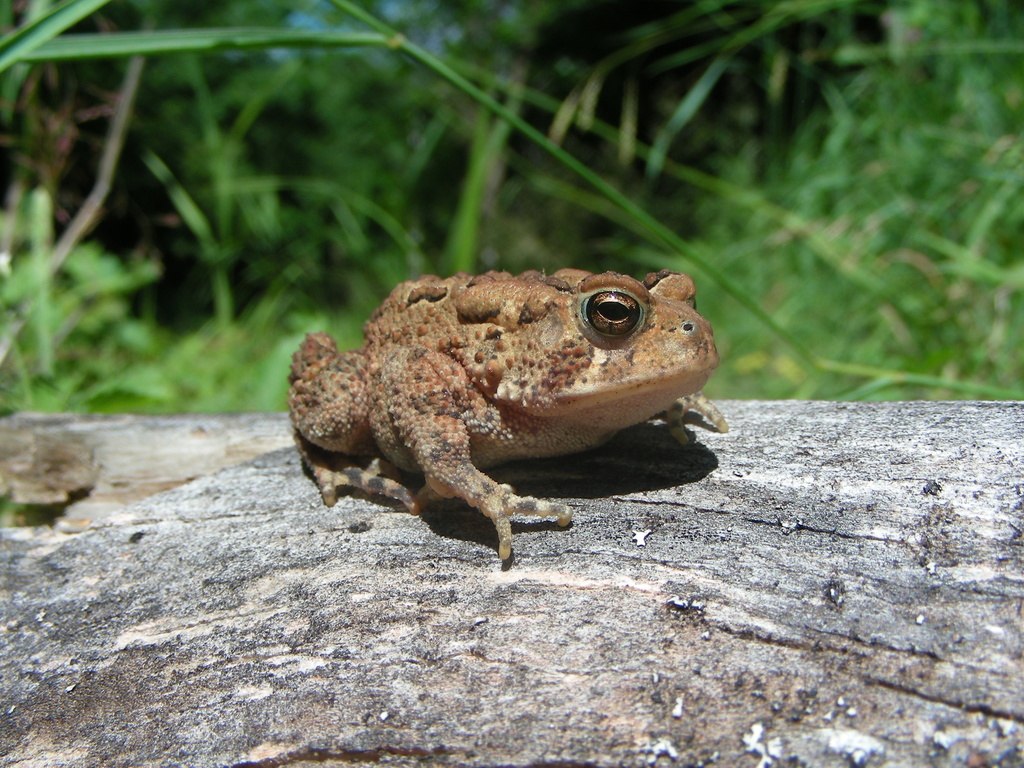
(329, 480)
(677, 416)
(334, 470)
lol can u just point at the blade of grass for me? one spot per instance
(460, 250)
(905, 377)
(173, 41)
(259, 100)
(684, 113)
(17, 45)
(210, 245)
(41, 311)
(424, 149)
(966, 262)
(488, 149)
(349, 200)
(187, 208)
(854, 54)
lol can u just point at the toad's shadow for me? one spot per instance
(641, 458)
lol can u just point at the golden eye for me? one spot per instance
(613, 313)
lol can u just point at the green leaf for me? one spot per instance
(187, 207)
(687, 108)
(20, 43)
(171, 41)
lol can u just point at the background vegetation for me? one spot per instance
(841, 177)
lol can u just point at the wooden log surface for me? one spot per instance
(829, 584)
(92, 466)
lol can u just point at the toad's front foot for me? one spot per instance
(530, 506)
(499, 502)
(527, 505)
(695, 403)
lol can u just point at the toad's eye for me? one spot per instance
(613, 313)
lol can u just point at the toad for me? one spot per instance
(460, 374)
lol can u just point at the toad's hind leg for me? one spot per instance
(329, 405)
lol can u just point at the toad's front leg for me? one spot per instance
(695, 403)
(451, 476)
(430, 419)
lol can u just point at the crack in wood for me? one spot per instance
(320, 755)
(975, 707)
(869, 647)
(798, 525)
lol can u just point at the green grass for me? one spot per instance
(858, 244)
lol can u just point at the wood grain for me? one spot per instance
(829, 584)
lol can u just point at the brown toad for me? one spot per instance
(463, 373)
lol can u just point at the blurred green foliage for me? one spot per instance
(841, 177)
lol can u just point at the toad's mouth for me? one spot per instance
(656, 391)
(621, 402)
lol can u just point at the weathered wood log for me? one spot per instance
(94, 465)
(829, 584)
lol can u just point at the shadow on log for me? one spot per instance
(829, 584)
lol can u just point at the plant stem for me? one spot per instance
(92, 209)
